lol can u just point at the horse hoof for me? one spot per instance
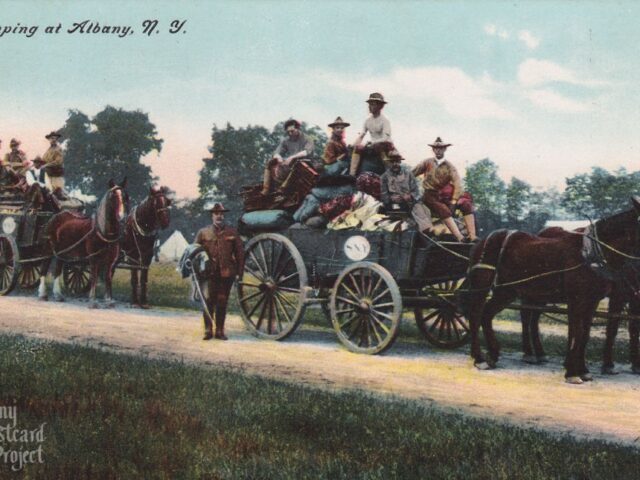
(609, 370)
(574, 380)
(59, 299)
(543, 359)
(110, 305)
(145, 306)
(635, 369)
(586, 377)
(483, 366)
(43, 299)
(93, 305)
(529, 359)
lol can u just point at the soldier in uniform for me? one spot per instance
(295, 146)
(53, 164)
(224, 247)
(336, 152)
(14, 164)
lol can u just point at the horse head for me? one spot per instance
(161, 203)
(113, 207)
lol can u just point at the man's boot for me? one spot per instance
(220, 317)
(266, 181)
(470, 223)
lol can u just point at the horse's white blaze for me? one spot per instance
(42, 289)
(57, 291)
(120, 205)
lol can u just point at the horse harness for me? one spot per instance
(138, 230)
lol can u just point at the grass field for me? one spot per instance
(118, 416)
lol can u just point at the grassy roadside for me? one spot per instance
(117, 416)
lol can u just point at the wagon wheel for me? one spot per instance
(444, 326)
(9, 264)
(29, 275)
(273, 288)
(77, 277)
(366, 308)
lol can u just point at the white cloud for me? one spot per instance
(534, 73)
(528, 39)
(503, 34)
(493, 31)
(458, 93)
(551, 100)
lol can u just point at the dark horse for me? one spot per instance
(621, 293)
(72, 237)
(575, 268)
(140, 234)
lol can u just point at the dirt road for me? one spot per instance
(608, 408)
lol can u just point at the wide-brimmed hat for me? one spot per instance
(376, 97)
(53, 134)
(290, 122)
(14, 142)
(338, 122)
(439, 143)
(395, 155)
(218, 208)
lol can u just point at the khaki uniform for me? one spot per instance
(54, 168)
(226, 253)
(14, 162)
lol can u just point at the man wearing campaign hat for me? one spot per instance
(443, 190)
(336, 152)
(294, 146)
(14, 165)
(226, 254)
(379, 130)
(399, 191)
(53, 164)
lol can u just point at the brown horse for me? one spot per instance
(76, 238)
(574, 268)
(620, 295)
(140, 234)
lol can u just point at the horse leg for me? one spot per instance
(541, 357)
(57, 291)
(108, 277)
(500, 299)
(526, 318)
(616, 303)
(634, 332)
(581, 309)
(134, 287)
(94, 283)
(479, 285)
(42, 288)
(144, 275)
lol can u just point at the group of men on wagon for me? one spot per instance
(442, 188)
(19, 173)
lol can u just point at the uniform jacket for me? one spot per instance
(398, 184)
(439, 175)
(14, 161)
(53, 162)
(333, 150)
(225, 250)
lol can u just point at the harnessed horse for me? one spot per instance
(73, 238)
(140, 234)
(576, 268)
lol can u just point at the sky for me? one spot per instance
(545, 89)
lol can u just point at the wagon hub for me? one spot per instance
(364, 306)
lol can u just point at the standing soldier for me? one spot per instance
(53, 162)
(224, 247)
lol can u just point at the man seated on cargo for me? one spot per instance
(294, 146)
(399, 191)
(336, 153)
(13, 166)
(379, 129)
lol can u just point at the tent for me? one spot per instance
(171, 250)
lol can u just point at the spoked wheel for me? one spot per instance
(366, 308)
(443, 326)
(77, 277)
(9, 264)
(273, 288)
(29, 275)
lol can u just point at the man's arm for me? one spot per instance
(414, 187)
(361, 135)
(385, 196)
(456, 182)
(239, 252)
(386, 130)
(420, 168)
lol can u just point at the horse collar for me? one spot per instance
(137, 226)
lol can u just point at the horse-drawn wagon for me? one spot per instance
(22, 238)
(363, 279)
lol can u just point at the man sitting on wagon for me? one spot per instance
(399, 192)
(295, 146)
(379, 129)
(443, 190)
(336, 152)
(13, 166)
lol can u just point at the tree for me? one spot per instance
(517, 197)
(489, 194)
(110, 145)
(238, 156)
(600, 193)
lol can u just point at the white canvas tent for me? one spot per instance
(171, 250)
(567, 225)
